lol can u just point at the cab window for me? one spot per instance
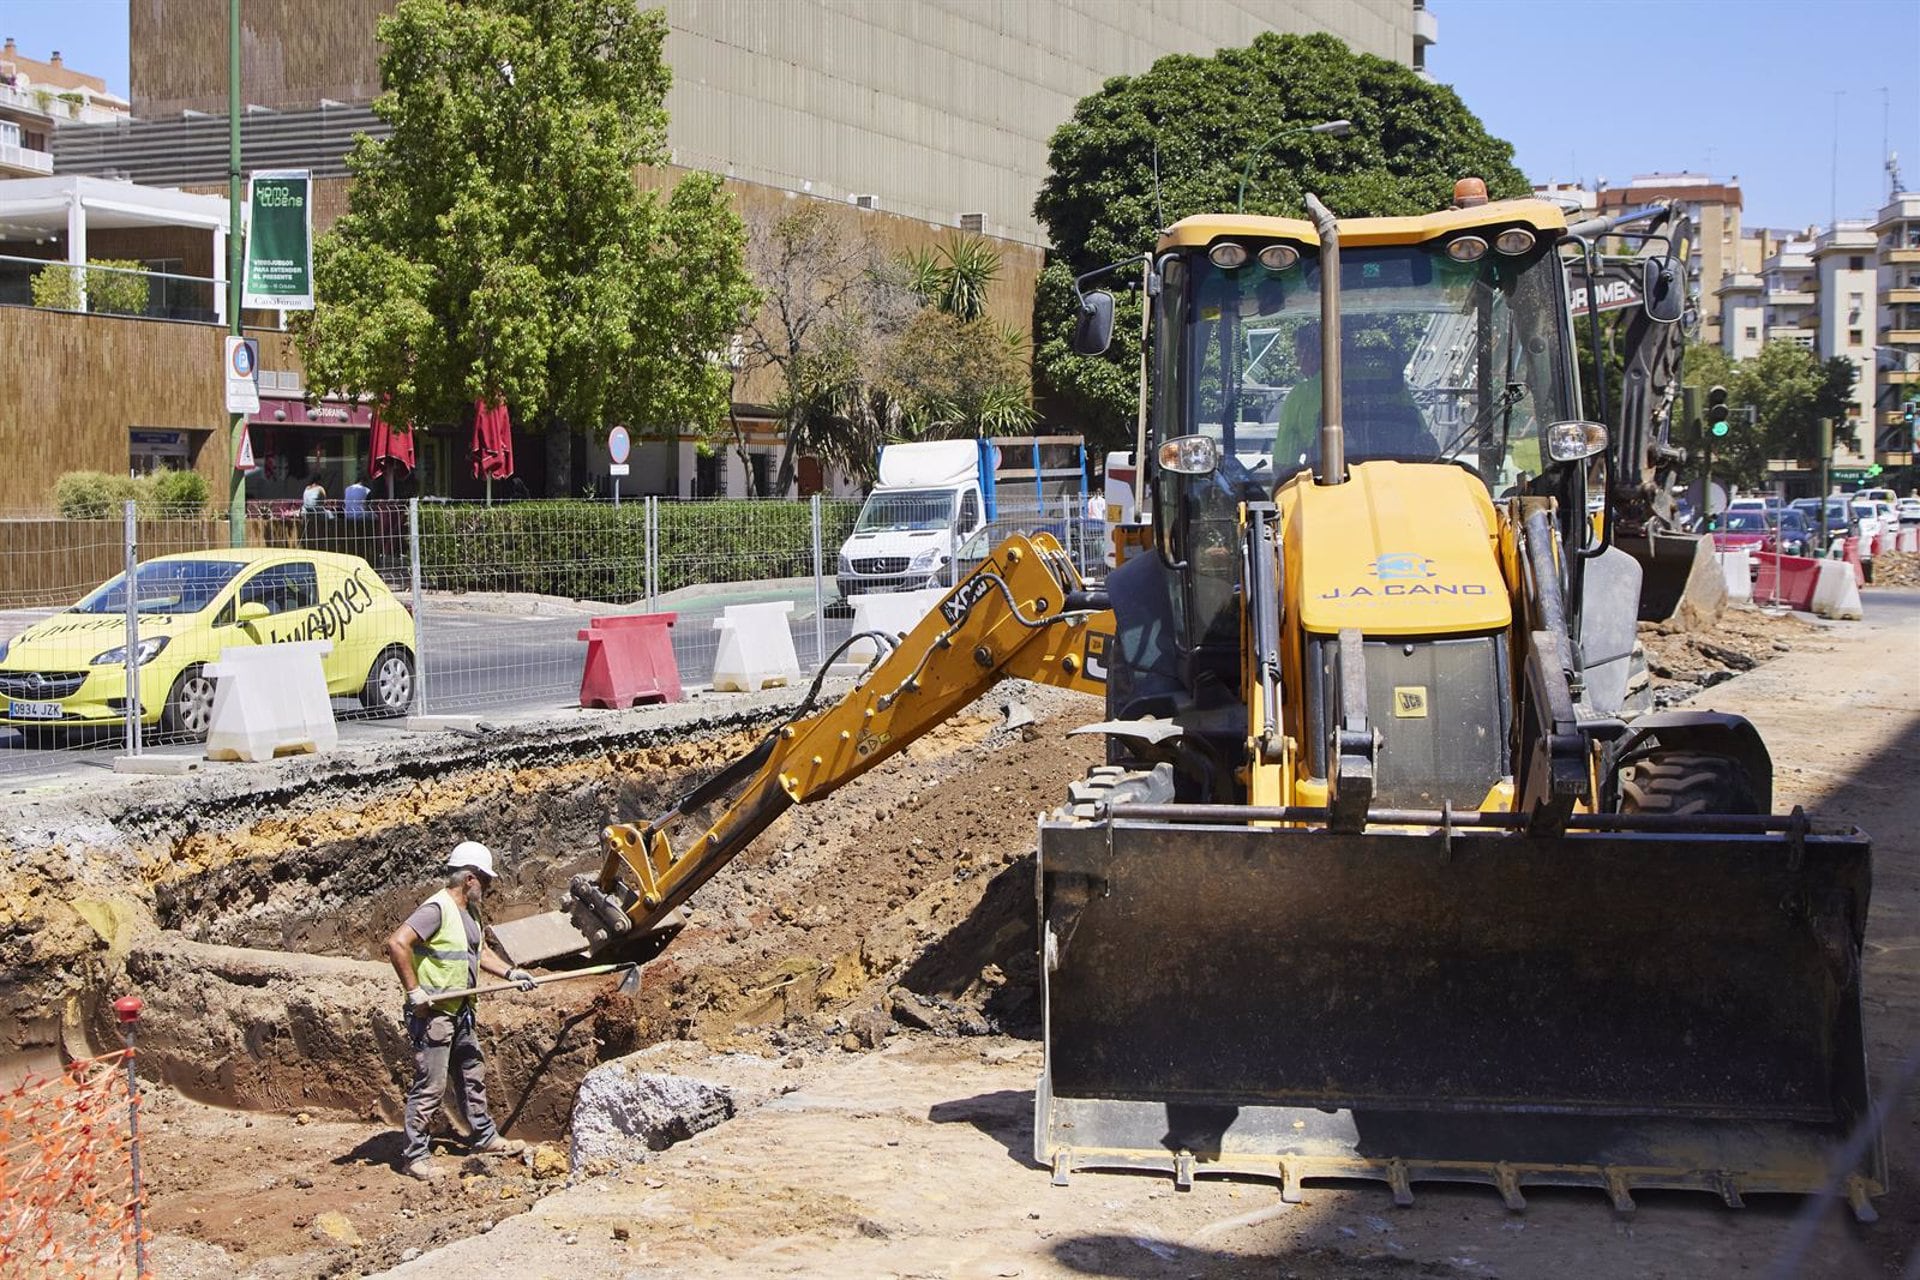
(969, 510)
(283, 588)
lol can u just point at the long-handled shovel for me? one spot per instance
(629, 984)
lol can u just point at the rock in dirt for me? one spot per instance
(337, 1227)
(549, 1162)
(622, 1112)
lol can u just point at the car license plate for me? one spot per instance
(34, 710)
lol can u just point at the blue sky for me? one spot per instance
(1727, 87)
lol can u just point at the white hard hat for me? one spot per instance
(471, 853)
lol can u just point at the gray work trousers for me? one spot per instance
(444, 1042)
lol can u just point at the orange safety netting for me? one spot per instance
(69, 1204)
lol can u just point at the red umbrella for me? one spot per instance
(492, 441)
(388, 451)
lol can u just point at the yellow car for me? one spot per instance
(70, 670)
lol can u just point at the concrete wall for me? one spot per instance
(936, 107)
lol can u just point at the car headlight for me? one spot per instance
(4, 644)
(925, 560)
(846, 563)
(144, 652)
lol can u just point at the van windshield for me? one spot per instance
(915, 509)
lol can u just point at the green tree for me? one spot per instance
(496, 245)
(1411, 140)
(831, 302)
(954, 378)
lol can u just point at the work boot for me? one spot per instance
(425, 1170)
(499, 1146)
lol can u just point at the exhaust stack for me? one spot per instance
(1333, 440)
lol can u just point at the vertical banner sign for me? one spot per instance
(279, 270)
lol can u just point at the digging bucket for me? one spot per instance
(1620, 1009)
(1677, 574)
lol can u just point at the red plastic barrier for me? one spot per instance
(630, 661)
(1795, 576)
(1850, 552)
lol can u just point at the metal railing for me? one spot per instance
(104, 290)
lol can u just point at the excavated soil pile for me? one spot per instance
(1682, 660)
(1896, 569)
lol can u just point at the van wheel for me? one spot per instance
(389, 687)
(189, 709)
(1686, 782)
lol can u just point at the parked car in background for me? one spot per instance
(1908, 509)
(69, 671)
(1787, 532)
(1832, 519)
(1873, 516)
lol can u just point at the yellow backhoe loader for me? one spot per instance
(1384, 879)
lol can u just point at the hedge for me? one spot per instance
(98, 495)
(595, 551)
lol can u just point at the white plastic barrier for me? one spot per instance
(1736, 566)
(888, 612)
(271, 700)
(1910, 539)
(756, 647)
(1836, 592)
(1884, 542)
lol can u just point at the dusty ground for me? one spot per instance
(1896, 569)
(915, 1161)
(904, 901)
(1681, 662)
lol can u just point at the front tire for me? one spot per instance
(1684, 783)
(389, 687)
(188, 712)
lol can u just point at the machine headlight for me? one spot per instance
(1227, 255)
(144, 652)
(1279, 257)
(1513, 240)
(1190, 455)
(1572, 441)
(1466, 248)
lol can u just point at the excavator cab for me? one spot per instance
(1386, 878)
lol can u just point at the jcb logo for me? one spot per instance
(1410, 701)
(1095, 661)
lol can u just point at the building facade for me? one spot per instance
(37, 99)
(1844, 258)
(937, 109)
(1897, 348)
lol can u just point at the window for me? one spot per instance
(1753, 333)
(1856, 263)
(1855, 337)
(9, 134)
(283, 588)
(969, 510)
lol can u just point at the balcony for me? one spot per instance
(1426, 27)
(1902, 297)
(1901, 337)
(47, 103)
(1791, 298)
(1900, 377)
(24, 160)
(1909, 257)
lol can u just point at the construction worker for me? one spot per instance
(440, 949)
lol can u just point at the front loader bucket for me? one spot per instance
(1613, 1009)
(1678, 575)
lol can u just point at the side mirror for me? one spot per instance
(1093, 327)
(1663, 288)
(250, 612)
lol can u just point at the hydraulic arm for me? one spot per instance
(1022, 613)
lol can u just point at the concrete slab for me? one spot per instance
(165, 766)
(441, 724)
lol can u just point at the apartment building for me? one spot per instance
(1897, 349)
(1847, 273)
(37, 98)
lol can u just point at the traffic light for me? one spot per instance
(1716, 411)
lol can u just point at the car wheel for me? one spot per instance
(389, 687)
(189, 709)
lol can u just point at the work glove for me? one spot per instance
(419, 998)
(522, 979)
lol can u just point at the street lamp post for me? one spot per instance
(236, 259)
(1334, 128)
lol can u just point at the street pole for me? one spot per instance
(1826, 462)
(237, 493)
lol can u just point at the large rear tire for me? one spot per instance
(1685, 783)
